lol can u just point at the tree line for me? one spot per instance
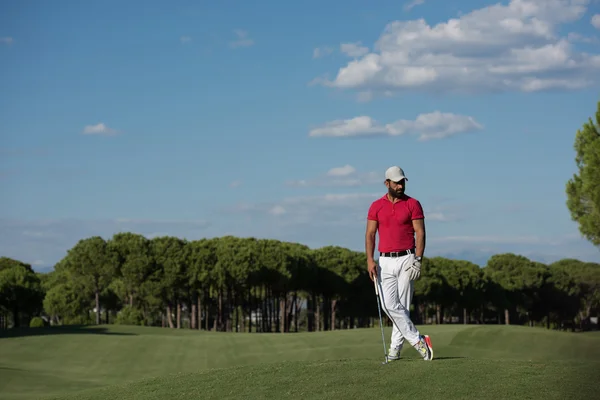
(262, 285)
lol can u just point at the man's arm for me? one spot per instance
(419, 227)
(370, 239)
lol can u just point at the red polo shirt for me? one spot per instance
(396, 232)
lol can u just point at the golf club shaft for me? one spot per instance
(380, 320)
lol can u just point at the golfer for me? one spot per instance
(397, 217)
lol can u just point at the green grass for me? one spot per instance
(118, 362)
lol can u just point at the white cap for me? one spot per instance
(395, 174)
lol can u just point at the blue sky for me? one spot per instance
(278, 119)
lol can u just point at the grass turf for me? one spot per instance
(118, 362)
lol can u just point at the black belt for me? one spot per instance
(397, 253)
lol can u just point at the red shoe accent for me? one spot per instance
(428, 343)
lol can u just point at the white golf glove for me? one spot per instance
(414, 270)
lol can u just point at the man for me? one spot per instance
(397, 217)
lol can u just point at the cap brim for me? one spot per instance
(398, 178)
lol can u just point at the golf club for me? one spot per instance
(380, 323)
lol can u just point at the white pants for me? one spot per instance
(396, 292)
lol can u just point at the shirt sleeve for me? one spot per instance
(372, 214)
(417, 210)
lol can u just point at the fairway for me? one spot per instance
(122, 362)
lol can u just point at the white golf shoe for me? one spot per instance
(394, 353)
(425, 348)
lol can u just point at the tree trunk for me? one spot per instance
(206, 311)
(282, 313)
(506, 316)
(270, 305)
(199, 310)
(310, 313)
(438, 314)
(170, 316)
(265, 315)
(16, 319)
(465, 316)
(270, 310)
(220, 311)
(193, 314)
(265, 318)
(250, 309)
(289, 312)
(277, 315)
(229, 314)
(298, 306)
(333, 310)
(260, 306)
(317, 314)
(97, 307)
(243, 319)
(178, 314)
(131, 300)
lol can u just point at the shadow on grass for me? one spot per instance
(60, 330)
(11, 369)
(435, 358)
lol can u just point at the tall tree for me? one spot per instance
(93, 264)
(20, 290)
(66, 300)
(169, 252)
(583, 190)
(201, 258)
(133, 251)
(511, 272)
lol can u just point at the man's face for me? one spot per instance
(396, 189)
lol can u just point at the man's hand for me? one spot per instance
(372, 265)
(414, 270)
(370, 247)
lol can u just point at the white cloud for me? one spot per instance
(49, 239)
(235, 184)
(185, 39)
(243, 40)
(496, 239)
(575, 37)
(354, 49)
(277, 210)
(99, 129)
(411, 4)
(341, 171)
(499, 47)
(322, 51)
(346, 175)
(6, 40)
(315, 221)
(334, 209)
(596, 21)
(340, 219)
(318, 220)
(435, 125)
(542, 248)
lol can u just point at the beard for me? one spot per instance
(398, 193)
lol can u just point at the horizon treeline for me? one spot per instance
(233, 284)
